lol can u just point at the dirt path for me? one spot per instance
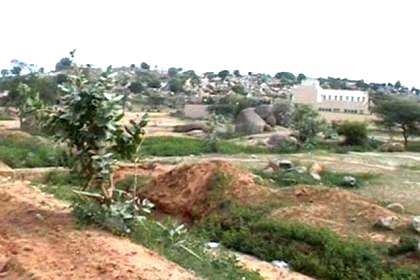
(38, 240)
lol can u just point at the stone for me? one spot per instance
(316, 168)
(276, 139)
(392, 147)
(249, 122)
(301, 169)
(213, 245)
(396, 207)
(285, 164)
(266, 113)
(282, 113)
(389, 223)
(415, 222)
(190, 127)
(316, 176)
(349, 181)
(280, 264)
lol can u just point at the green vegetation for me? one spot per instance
(315, 252)
(355, 133)
(286, 178)
(399, 113)
(5, 116)
(21, 152)
(307, 122)
(183, 146)
(88, 122)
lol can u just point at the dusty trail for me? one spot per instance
(38, 240)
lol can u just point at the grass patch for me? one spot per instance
(413, 146)
(284, 178)
(316, 252)
(183, 146)
(5, 116)
(410, 167)
(30, 152)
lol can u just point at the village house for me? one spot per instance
(329, 100)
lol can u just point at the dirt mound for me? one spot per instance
(38, 240)
(192, 191)
(342, 211)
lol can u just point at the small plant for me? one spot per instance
(355, 133)
(88, 121)
(307, 122)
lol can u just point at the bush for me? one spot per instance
(355, 133)
(136, 87)
(307, 122)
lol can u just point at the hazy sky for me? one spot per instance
(375, 40)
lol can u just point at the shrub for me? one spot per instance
(155, 83)
(355, 133)
(307, 122)
(136, 87)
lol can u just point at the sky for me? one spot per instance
(374, 40)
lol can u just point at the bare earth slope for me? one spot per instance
(38, 240)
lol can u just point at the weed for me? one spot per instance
(31, 152)
(316, 252)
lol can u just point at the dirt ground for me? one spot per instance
(38, 240)
(395, 183)
(191, 192)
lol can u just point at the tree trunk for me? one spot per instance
(405, 135)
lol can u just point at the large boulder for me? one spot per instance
(183, 128)
(266, 113)
(280, 138)
(249, 122)
(391, 147)
(282, 113)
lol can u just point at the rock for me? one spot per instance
(316, 176)
(266, 113)
(39, 216)
(396, 207)
(280, 264)
(301, 169)
(279, 138)
(391, 147)
(285, 164)
(389, 223)
(249, 122)
(349, 181)
(282, 113)
(415, 222)
(190, 127)
(316, 168)
(213, 245)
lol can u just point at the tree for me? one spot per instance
(285, 76)
(399, 113)
(237, 73)
(223, 74)
(355, 133)
(301, 77)
(136, 87)
(145, 66)
(63, 64)
(27, 101)
(88, 120)
(173, 71)
(307, 122)
(176, 84)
